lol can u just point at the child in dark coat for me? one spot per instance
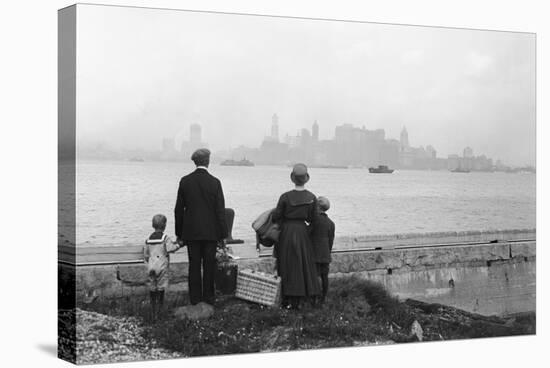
(323, 239)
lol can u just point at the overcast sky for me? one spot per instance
(145, 74)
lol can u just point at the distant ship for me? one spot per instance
(381, 169)
(243, 162)
(460, 170)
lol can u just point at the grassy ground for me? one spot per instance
(357, 312)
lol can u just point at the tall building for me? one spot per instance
(305, 134)
(358, 146)
(292, 141)
(272, 151)
(389, 153)
(468, 158)
(404, 138)
(275, 128)
(195, 140)
(406, 154)
(432, 153)
(195, 132)
(346, 144)
(315, 131)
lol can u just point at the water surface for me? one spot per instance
(116, 200)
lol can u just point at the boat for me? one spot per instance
(381, 169)
(243, 162)
(460, 170)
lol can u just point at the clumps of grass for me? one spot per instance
(134, 306)
(386, 307)
(356, 312)
(258, 328)
(388, 316)
(451, 323)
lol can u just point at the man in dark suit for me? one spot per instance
(201, 225)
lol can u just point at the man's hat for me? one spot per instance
(299, 174)
(201, 156)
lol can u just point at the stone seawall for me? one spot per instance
(487, 273)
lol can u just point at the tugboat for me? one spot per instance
(243, 162)
(381, 169)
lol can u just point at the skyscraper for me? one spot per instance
(468, 152)
(195, 140)
(305, 136)
(468, 158)
(404, 138)
(275, 128)
(195, 133)
(432, 153)
(315, 131)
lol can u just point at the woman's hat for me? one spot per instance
(299, 174)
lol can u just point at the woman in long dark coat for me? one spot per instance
(297, 213)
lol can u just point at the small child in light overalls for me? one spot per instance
(156, 253)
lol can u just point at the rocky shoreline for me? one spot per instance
(101, 338)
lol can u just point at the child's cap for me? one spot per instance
(324, 203)
(159, 222)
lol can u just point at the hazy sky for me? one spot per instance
(145, 74)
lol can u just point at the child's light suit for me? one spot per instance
(156, 252)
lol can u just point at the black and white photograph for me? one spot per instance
(238, 183)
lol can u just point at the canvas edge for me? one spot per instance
(66, 302)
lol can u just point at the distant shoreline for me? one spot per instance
(513, 169)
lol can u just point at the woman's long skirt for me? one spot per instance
(295, 261)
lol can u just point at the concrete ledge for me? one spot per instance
(490, 278)
(417, 257)
(436, 238)
(504, 287)
(527, 249)
(133, 253)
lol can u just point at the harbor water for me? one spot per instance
(116, 200)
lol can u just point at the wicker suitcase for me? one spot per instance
(259, 287)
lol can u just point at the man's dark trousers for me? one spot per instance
(201, 289)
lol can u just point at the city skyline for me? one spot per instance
(350, 146)
(184, 136)
(453, 88)
(173, 149)
(357, 146)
